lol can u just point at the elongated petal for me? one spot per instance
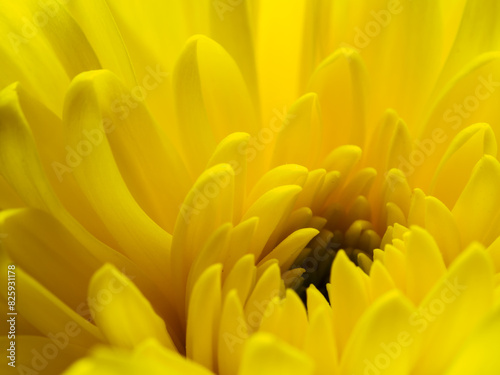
(282, 200)
(35, 352)
(36, 235)
(477, 354)
(150, 357)
(232, 334)
(229, 151)
(210, 96)
(113, 201)
(37, 54)
(425, 263)
(122, 313)
(241, 278)
(278, 34)
(303, 127)
(266, 355)
(478, 33)
(348, 297)
(461, 299)
(266, 289)
(384, 339)
(440, 223)
(207, 206)
(466, 149)
(476, 217)
(17, 144)
(230, 26)
(340, 83)
(52, 316)
(98, 25)
(204, 317)
(320, 342)
(289, 248)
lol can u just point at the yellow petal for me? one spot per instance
(98, 25)
(268, 287)
(461, 299)
(302, 127)
(150, 357)
(281, 315)
(122, 313)
(478, 354)
(113, 200)
(288, 174)
(397, 190)
(288, 250)
(470, 98)
(230, 27)
(298, 219)
(241, 277)
(395, 263)
(240, 241)
(384, 341)
(232, 334)
(211, 97)
(348, 297)
(417, 213)
(320, 342)
(477, 34)
(35, 235)
(52, 315)
(316, 301)
(424, 263)
(207, 206)
(340, 83)
(410, 32)
(311, 187)
(440, 223)
(381, 281)
(213, 251)
(37, 54)
(264, 354)
(281, 199)
(477, 218)
(278, 30)
(494, 251)
(37, 353)
(343, 159)
(203, 318)
(455, 167)
(139, 147)
(17, 144)
(229, 151)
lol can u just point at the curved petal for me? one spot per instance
(383, 340)
(204, 318)
(211, 98)
(123, 314)
(264, 354)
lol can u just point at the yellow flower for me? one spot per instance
(250, 187)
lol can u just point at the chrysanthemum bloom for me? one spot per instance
(250, 187)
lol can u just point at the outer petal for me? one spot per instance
(113, 201)
(478, 354)
(204, 317)
(384, 341)
(348, 297)
(122, 313)
(461, 299)
(477, 217)
(211, 97)
(266, 355)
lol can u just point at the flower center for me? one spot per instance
(358, 241)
